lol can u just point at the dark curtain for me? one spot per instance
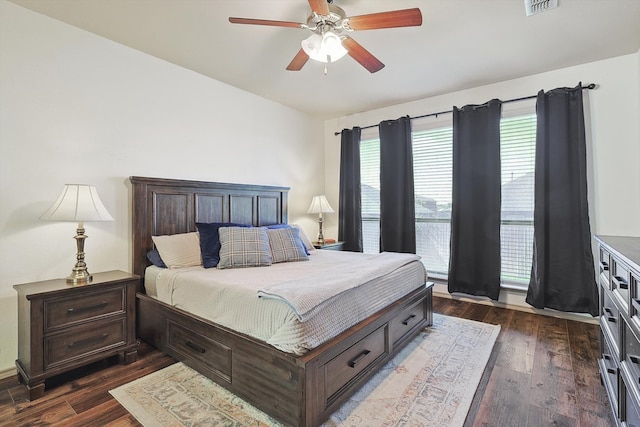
(350, 213)
(562, 274)
(397, 201)
(474, 264)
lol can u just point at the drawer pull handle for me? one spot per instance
(611, 319)
(88, 341)
(604, 265)
(195, 347)
(607, 310)
(634, 359)
(606, 357)
(87, 308)
(620, 282)
(408, 319)
(359, 358)
(611, 371)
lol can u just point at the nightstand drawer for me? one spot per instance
(83, 341)
(67, 311)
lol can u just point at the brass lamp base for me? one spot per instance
(79, 274)
(320, 235)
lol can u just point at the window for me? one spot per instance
(432, 162)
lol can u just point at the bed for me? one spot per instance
(296, 389)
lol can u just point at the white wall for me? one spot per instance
(612, 113)
(77, 108)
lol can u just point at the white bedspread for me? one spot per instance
(309, 294)
(230, 297)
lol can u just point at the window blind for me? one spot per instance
(433, 167)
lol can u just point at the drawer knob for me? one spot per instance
(359, 358)
(195, 347)
(408, 319)
(87, 308)
(607, 310)
(606, 356)
(88, 341)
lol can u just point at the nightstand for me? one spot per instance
(335, 246)
(63, 326)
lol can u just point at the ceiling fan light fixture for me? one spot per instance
(324, 48)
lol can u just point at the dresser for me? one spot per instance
(619, 286)
(62, 326)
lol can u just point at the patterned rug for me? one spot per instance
(431, 382)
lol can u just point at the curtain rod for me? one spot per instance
(589, 86)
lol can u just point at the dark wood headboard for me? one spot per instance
(170, 206)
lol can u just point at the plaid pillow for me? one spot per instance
(244, 247)
(285, 245)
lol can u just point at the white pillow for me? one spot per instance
(179, 250)
(305, 239)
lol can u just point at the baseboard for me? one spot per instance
(514, 300)
(6, 373)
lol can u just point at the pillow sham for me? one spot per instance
(210, 241)
(179, 250)
(286, 245)
(244, 247)
(298, 239)
(154, 258)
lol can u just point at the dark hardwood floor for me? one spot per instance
(542, 372)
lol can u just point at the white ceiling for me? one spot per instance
(461, 44)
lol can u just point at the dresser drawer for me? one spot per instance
(610, 319)
(619, 276)
(83, 341)
(348, 364)
(400, 326)
(609, 367)
(634, 288)
(631, 410)
(604, 261)
(85, 306)
(632, 354)
(215, 356)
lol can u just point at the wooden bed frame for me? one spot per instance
(296, 390)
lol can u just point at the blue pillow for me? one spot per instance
(154, 257)
(296, 234)
(210, 241)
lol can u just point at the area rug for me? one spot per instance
(431, 382)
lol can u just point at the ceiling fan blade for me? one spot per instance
(266, 22)
(362, 55)
(393, 19)
(298, 62)
(321, 7)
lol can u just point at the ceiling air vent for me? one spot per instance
(536, 6)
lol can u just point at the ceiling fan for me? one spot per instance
(328, 22)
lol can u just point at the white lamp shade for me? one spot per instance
(77, 203)
(325, 48)
(319, 204)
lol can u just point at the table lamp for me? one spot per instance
(78, 203)
(320, 205)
